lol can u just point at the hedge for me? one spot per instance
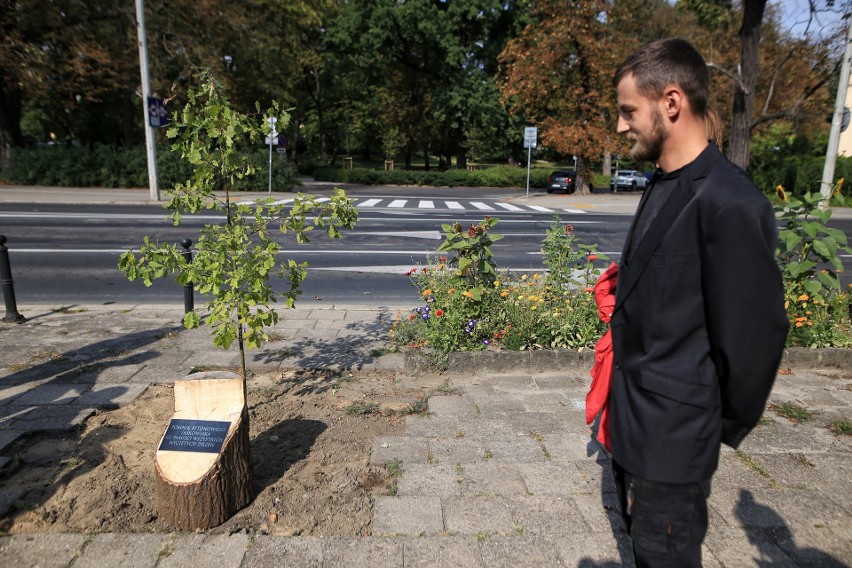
(110, 166)
(500, 176)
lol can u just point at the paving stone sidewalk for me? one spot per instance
(501, 473)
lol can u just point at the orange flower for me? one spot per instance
(427, 291)
(504, 293)
(411, 317)
(468, 293)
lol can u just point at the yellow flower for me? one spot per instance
(504, 293)
(468, 293)
(496, 283)
(533, 308)
(804, 298)
(524, 277)
(838, 187)
(782, 195)
(521, 297)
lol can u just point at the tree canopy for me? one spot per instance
(440, 82)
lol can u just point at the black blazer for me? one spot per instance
(698, 327)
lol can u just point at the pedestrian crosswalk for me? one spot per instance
(456, 205)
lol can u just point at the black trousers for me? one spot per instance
(666, 521)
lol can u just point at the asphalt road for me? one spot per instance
(68, 254)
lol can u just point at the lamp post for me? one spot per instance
(150, 141)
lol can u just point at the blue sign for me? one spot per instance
(195, 436)
(158, 114)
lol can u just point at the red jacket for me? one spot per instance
(597, 401)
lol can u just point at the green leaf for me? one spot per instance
(812, 286)
(829, 279)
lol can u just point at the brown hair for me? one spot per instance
(713, 126)
(670, 61)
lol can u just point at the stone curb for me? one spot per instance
(552, 360)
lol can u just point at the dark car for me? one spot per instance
(564, 181)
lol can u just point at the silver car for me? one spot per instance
(628, 180)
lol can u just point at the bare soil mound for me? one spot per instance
(311, 437)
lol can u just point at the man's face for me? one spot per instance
(641, 120)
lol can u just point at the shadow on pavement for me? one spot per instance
(354, 347)
(774, 541)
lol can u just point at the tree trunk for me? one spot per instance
(200, 490)
(607, 163)
(10, 120)
(744, 90)
(581, 184)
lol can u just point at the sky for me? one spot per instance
(796, 13)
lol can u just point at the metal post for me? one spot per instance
(150, 140)
(12, 315)
(529, 154)
(834, 134)
(189, 287)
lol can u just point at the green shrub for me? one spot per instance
(112, 166)
(459, 313)
(499, 176)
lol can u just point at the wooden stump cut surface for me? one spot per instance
(198, 490)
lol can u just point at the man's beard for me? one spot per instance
(650, 148)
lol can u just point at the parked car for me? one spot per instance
(563, 181)
(629, 180)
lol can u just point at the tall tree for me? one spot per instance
(558, 73)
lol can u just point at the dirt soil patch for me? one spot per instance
(311, 432)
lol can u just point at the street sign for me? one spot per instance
(271, 139)
(158, 115)
(530, 136)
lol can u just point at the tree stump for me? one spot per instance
(200, 483)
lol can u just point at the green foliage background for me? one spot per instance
(112, 166)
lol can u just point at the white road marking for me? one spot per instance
(481, 206)
(508, 206)
(398, 203)
(540, 208)
(454, 205)
(369, 203)
(426, 204)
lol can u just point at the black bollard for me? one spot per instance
(12, 315)
(189, 287)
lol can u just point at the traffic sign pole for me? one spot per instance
(272, 134)
(530, 139)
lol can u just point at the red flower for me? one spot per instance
(439, 312)
(593, 257)
(569, 229)
(471, 232)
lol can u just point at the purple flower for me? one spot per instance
(417, 309)
(425, 316)
(486, 342)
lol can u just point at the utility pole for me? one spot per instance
(150, 141)
(836, 119)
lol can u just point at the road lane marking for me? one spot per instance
(398, 203)
(454, 205)
(508, 206)
(369, 203)
(426, 204)
(481, 206)
(540, 208)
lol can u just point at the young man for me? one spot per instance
(699, 325)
